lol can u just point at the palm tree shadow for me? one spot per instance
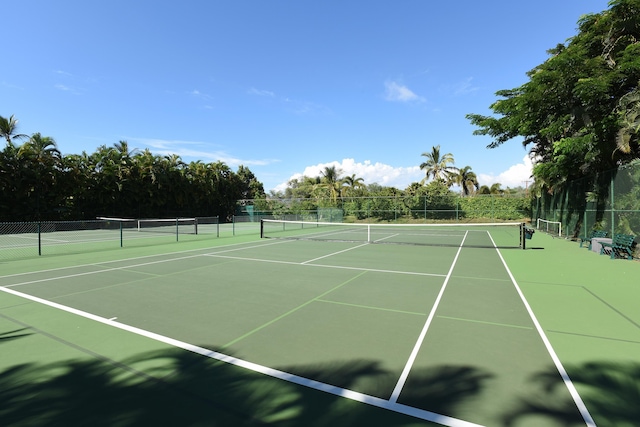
(12, 335)
(610, 391)
(443, 389)
(176, 387)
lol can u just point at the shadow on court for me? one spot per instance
(175, 387)
(612, 395)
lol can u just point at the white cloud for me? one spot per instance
(402, 177)
(400, 93)
(516, 176)
(379, 173)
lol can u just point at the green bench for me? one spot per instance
(595, 234)
(621, 246)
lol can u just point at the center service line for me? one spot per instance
(407, 368)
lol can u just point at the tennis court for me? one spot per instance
(467, 330)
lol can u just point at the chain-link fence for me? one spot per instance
(30, 239)
(405, 208)
(609, 201)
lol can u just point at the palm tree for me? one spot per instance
(353, 183)
(437, 166)
(8, 128)
(330, 177)
(41, 149)
(496, 188)
(43, 161)
(467, 180)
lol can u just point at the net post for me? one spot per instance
(523, 237)
(177, 228)
(121, 239)
(262, 228)
(195, 223)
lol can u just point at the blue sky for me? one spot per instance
(284, 87)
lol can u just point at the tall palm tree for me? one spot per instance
(43, 162)
(41, 149)
(437, 166)
(331, 181)
(467, 180)
(8, 129)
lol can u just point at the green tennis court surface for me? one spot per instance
(248, 331)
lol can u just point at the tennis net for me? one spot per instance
(502, 235)
(551, 227)
(159, 225)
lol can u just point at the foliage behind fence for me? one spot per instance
(608, 201)
(414, 208)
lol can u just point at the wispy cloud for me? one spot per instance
(305, 107)
(66, 88)
(464, 87)
(196, 93)
(11, 86)
(261, 92)
(398, 92)
(195, 150)
(295, 106)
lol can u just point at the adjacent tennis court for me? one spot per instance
(434, 330)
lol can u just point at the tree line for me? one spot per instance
(38, 183)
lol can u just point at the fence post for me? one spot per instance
(39, 239)
(613, 209)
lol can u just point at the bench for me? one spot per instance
(621, 246)
(595, 234)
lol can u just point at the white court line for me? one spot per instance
(414, 353)
(340, 267)
(334, 253)
(388, 237)
(100, 264)
(582, 408)
(108, 269)
(274, 373)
